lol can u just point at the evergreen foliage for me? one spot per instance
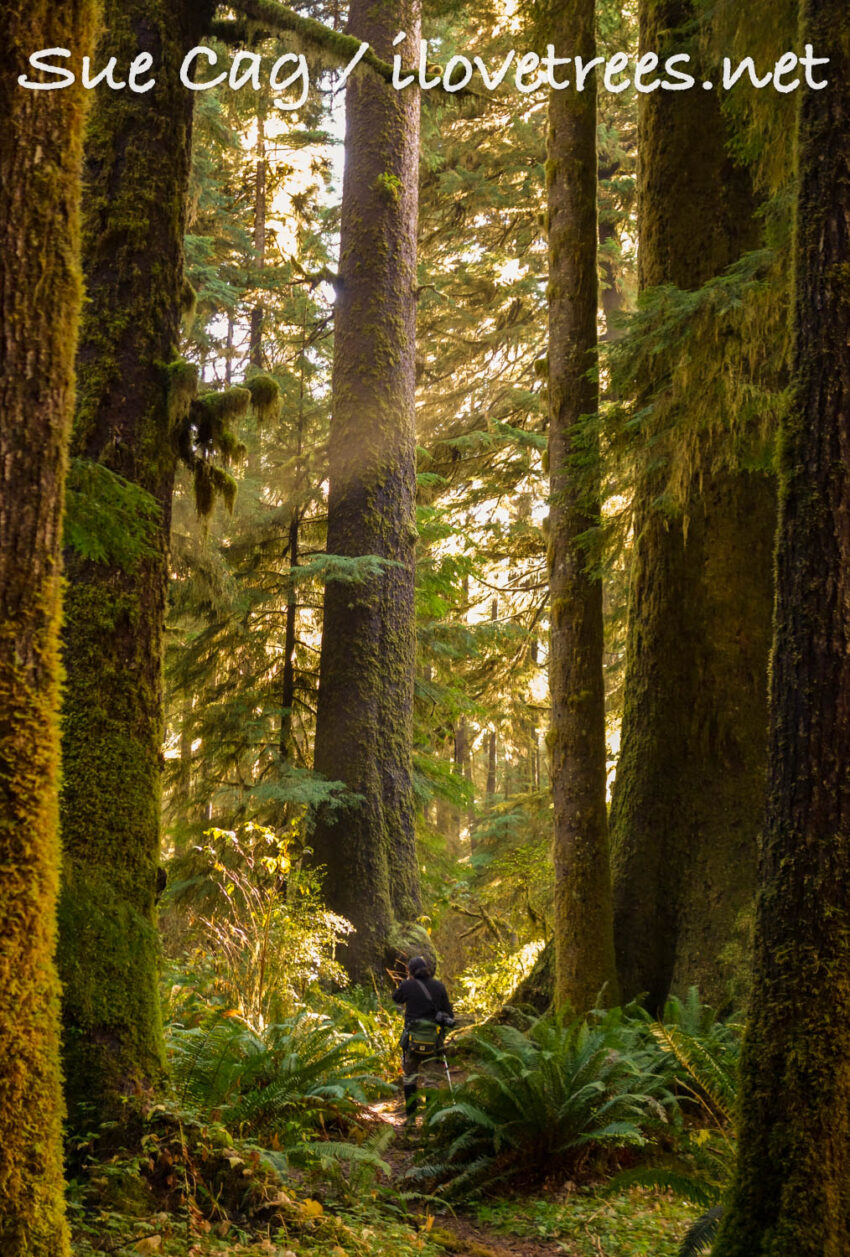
(558, 1093)
(429, 587)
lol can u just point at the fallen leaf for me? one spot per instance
(150, 1244)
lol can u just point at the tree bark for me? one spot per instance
(792, 1190)
(255, 338)
(288, 684)
(136, 171)
(40, 163)
(365, 706)
(688, 794)
(584, 940)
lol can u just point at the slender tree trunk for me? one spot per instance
(255, 340)
(490, 789)
(792, 1191)
(137, 167)
(534, 734)
(365, 706)
(40, 159)
(584, 939)
(688, 794)
(288, 687)
(228, 352)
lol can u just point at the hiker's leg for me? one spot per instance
(410, 1082)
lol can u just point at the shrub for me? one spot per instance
(281, 1084)
(552, 1096)
(265, 935)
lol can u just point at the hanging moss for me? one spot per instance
(213, 410)
(182, 389)
(210, 482)
(40, 291)
(265, 397)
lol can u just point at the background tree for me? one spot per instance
(245, 613)
(686, 802)
(365, 711)
(792, 1191)
(584, 940)
(40, 291)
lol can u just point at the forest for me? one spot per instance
(425, 576)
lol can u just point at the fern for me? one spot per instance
(671, 1177)
(300, 1073)
(542, 1097)
(702, 1234)
(707, 1075)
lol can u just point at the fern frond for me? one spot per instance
(702, 1234)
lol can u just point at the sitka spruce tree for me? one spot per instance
(137, 415)
(584, 939)
(365, 704)
(688, 795)
(792, 1192)
(128, 405)
(40, 156)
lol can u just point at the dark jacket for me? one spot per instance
(417, 1005)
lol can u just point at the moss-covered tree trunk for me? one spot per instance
(40, 156)
(136, 170)
(584, 939)
(792, 1192)
(688, 795)
(364, 723)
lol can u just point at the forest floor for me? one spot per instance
(121, 1208)
(562, 1221)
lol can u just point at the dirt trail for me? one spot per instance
(457, 1232)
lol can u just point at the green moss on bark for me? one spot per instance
(688, 795)
(137, 167)
(40, 158)
(791, 1197)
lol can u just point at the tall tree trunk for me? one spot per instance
(584, 938)
(40, 158)
(365, 706)
(136, 167)
(490, 788)
(293, 541)
(792, 1192)
(688, 795)
(255, 339)
(288, 685)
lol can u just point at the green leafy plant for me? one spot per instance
(701, 1053)
(552, 1096)
(702, 1233)
(266, 937)
(301, 1071)
(108, 519)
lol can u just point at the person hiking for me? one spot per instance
(427, 1015)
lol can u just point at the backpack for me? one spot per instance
(423, 1035)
